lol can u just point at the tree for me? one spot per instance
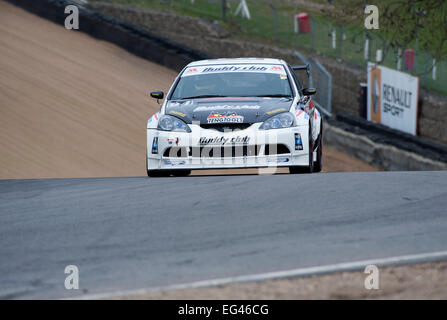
(404, 21)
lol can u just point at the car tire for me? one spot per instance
(158, 173)
(298, 169)
(318, 165)
(181, 173)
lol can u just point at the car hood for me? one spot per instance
(227, 110)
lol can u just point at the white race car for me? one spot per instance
(235, 113)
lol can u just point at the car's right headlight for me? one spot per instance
(282, 120)
(170, 123)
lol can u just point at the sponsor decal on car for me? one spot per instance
(275, 111)
(173, 104)
(227, 107)
(225, 118)
(266, 68)
(278, 159)
(227, 98)
(223, 140)
(177, 113)
(155, 116)
(174, 163)
(234, 68)
(172, 140)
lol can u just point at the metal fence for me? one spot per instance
(321, 79)
(360, 46)
(274, 22)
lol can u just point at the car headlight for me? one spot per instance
(282, 120)
(170, 123)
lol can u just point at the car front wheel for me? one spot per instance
(158, 173)
(181, 173)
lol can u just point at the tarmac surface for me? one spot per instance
(131, 233)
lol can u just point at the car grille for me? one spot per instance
(225, 127)
(225, 151)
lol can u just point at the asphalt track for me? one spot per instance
(130, 233)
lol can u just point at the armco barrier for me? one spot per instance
(382, 155)
(132, 38)
(379, 133)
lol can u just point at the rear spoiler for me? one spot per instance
(302, 67)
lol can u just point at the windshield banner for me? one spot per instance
(264, 68)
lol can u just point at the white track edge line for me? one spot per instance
(299, 272)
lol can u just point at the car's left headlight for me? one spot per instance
(170, 123)
(282, 120)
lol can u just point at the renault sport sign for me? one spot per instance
(392, 98)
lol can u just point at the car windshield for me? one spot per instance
(200, 84)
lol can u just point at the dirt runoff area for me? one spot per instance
(421, 281)
(73, 106)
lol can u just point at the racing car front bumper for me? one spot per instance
(212, 149)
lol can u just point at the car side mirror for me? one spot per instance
(157, 95)
(309, 91)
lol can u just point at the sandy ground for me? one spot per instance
(423, 281)
(72, 106)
